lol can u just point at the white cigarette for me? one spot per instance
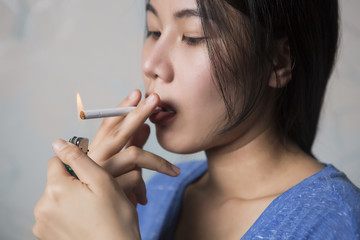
(107, 112)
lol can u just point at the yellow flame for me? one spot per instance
(79, 104)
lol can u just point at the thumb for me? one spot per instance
(85, 168)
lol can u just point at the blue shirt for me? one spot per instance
(323, 206)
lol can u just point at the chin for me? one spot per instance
(176, 144)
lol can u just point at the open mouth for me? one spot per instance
(163, 114)
(164, 109)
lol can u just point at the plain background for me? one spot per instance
(52, 49)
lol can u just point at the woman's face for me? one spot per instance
(176, 66)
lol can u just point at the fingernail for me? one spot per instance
(59, 145)
(175, 169)
(150, 98)
(133, 95)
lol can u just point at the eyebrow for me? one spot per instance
(185, 13)
(150, 8)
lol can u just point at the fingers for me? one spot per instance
(137, 117)
(130, 124)
(133, 157)
(140, 136)
(134, 187)
(131, 100)
(117, 137)
(56, 170)
(108, 123)
(87, 170)
(41, 218)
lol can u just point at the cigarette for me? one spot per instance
(107, 112)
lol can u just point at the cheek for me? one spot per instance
(196, 83)
(202, 109)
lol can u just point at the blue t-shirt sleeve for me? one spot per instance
(330, 222)
(339, 214)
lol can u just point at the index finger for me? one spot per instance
(131, 100)
(134, 158)
(135, 119)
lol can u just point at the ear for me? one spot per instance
(281, 62)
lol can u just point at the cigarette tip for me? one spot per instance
(82, 115)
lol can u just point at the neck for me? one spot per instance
(249, 169)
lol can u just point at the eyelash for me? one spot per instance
(189, 40)
(155, 35)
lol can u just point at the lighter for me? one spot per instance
(83, 144)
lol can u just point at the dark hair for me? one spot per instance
(241, 48)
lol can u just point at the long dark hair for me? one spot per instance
(242, 42)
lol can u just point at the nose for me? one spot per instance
(157, 62)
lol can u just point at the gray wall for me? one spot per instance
(51, 49)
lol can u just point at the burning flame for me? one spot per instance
(80, 107)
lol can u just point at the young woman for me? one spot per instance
(242, 80)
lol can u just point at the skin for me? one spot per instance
(109, 185)
(180, 74)
(248, 166)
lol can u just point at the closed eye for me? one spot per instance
(193, 41)
(189, 40)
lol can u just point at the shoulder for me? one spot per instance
(323, 206)
(329, 205)
(332, 187)
(337, 203)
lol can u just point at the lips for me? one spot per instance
(163, 114)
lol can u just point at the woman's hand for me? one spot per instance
(95, 207)
(118, 144)
(115, 132)
(100, 205)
